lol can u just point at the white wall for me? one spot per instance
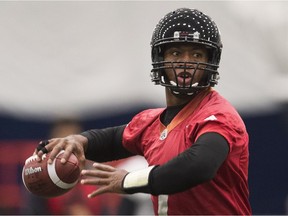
(70, 57)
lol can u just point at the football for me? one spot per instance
(50, 180)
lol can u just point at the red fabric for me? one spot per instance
(228, 192)
(12, 158)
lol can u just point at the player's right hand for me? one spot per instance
(70, 144)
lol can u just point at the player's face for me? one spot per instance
(185, 71)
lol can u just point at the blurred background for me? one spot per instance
(89, 63)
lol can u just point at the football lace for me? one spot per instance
(34, 158)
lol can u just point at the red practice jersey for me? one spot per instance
(227, 192)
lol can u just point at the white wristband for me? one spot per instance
(137, 178)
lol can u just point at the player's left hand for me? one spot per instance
(108, 178)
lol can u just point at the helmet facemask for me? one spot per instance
(194, 76)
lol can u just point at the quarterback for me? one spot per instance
(196, 146)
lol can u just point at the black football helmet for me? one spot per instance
(186, 25)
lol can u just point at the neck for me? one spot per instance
(173, 100)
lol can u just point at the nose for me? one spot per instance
(186, 62)
(186, 57)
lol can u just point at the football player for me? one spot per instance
(196, 147)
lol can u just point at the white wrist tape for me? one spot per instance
(137, 178)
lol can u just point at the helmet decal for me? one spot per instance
(195, 35)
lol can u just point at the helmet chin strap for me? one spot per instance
(182, 93)
(175, 84)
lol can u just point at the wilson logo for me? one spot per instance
(32, 170)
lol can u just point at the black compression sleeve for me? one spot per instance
(105, 144)
(194, 166)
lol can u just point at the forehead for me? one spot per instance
(192, 46)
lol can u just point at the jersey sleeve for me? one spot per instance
(229, 125)
(133, 133)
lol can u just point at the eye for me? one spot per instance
(197, 55)
(175, 53)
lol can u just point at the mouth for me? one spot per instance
(184, 79)
(184, 75)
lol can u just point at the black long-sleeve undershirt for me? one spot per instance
(196, 165)
(106, 144)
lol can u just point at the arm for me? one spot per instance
(196, 165)
(105, 144)
(98, 145)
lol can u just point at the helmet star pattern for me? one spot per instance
(188, 19)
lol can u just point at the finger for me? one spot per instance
(54, 152)
(95, 181)
(67, 153)
(39, 147)
(103, 167)
(37, 156)
(42, 144)
(40, 150)
(99, 191)
(44, 150)
(78, 152)
(96, 173)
